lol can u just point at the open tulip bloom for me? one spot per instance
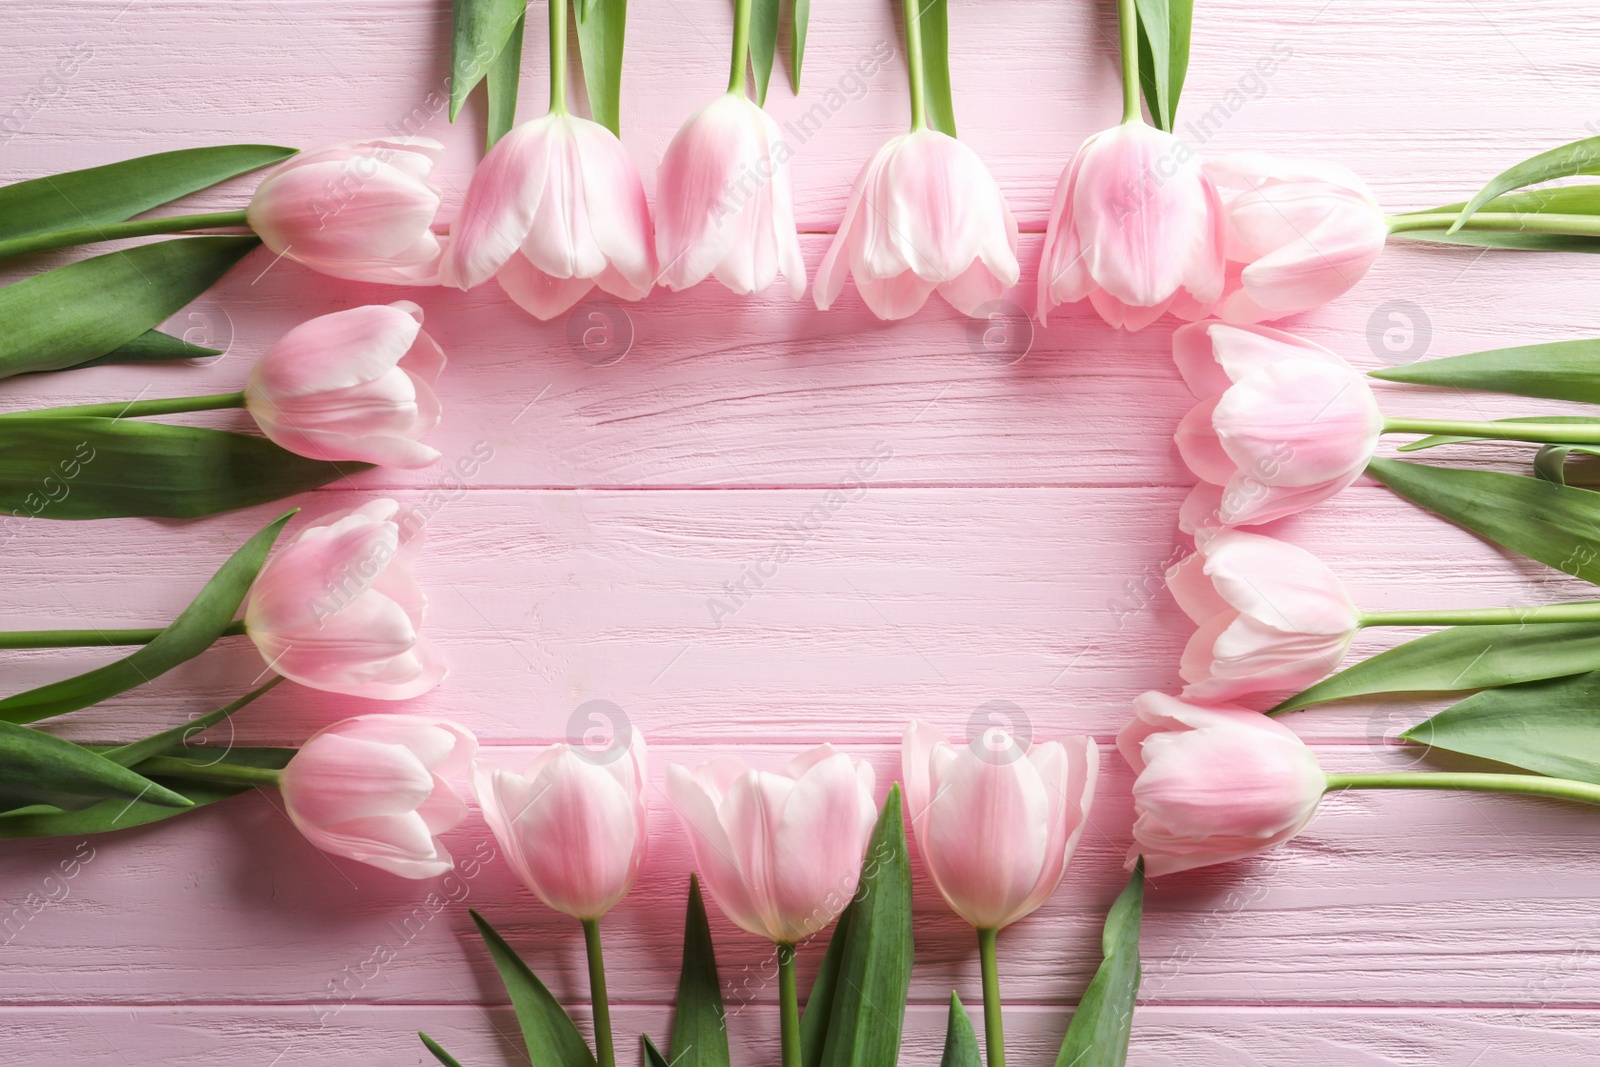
(555, 209)
(1283, 424)
(924, 214)
(996, 821)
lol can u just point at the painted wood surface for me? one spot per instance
(1006, 544)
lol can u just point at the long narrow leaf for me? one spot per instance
(800, 16)
(505, 74)
(960, 1042)
(699, 1027)
(38, 768)
(764, 19)
(118, 191)
(1513, 240)
(438, 1053)
(819, 1002)
(1579, 157)
(1560, 370)
(1551, 727)
(1101, 1025)
(479, 29)
(1463, 658)
(934, 20)
(652, 1055)
(84, 310)
(601, 35)
(190, 634)
(152, 346)
(161, 743)
(1164, 56)
(551, 1037)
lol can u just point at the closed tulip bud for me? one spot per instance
(1282, 423)
(1300, 233)
(376, 788)
(997, 820)
(1272, 617)
(572, 823)
(554, 209)
(924, 214)
(361, 210)
(355, 385)
(781, 853)
(1136, 228)
(723, 202)
(1214, 783)
(337, 609)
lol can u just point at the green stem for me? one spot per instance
(993, 1032)
(605, 1052)
(1544, 433)
(789, 1002)
(914, 67)
(229, 773)
(1499, 222)
(1128, 24)
(92, 638)
(1577, 611)
(1533, 785)
(741, 46)
(558, 57)
(134, 409)
(111, 231)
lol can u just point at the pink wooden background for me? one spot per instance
(1009, 548)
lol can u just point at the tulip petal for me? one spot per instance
(537, 293)
(501, 203)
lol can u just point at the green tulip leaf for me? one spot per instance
(191, 633)
(38, 768)
(652, 1055)
(800, 25)
(764, 20)
(1559, 200)
(960, 1042)
(551, 1037)
(699, 1026)
(1163, 56)
(505, 72)
(600, 40)
(85, 310)
(1435, 440)
(152, 346)
(1555, 524)
(1550, 727)
(874, 977)
(1550, 463)
(438, 1053)
(1511, 240)
(159, 744)
(117, 192)
(479, 31)
(1560, 370)
(1579, 157)
(1463, 658)
(819, 1002)
(1103, 1022)
(42, 820)
(89, 467)
(934, 22)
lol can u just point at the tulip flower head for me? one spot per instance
(354, 385)
(1272, 617)
(362, 210)
(555, 209)
(376, 788)
(337, 609)
(1136, 228)
(781, 853)
(996, 821)
(1300, 233)
(723, 201)
(1282, 423)
(572, 822)
(1214, 783)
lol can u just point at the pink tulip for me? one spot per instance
(1214, 783)
(354, 385)
(1299, 234)
(924, 214)
(1282, 423)
(723, 204)
(376, 788)
(554, 209)
(572, 823)
(1272, 617)
(780, 853)
(997, 820)
(361, 210)
(337, 609)
(1137, 228)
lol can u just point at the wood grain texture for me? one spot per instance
(1015, 509)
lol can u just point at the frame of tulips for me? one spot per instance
(1141, 227)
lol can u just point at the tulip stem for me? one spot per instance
(207, 771)
(605, 1052)
(914, 67)
(789, 1000)
(1533, 785)
(1499, 222)
(92, 638)
(1128, 24)
(1577, 611)
(1551, 433)
(111, 231)
(134, 409)
(558, 57)
(741, 45)
(993, 1034)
